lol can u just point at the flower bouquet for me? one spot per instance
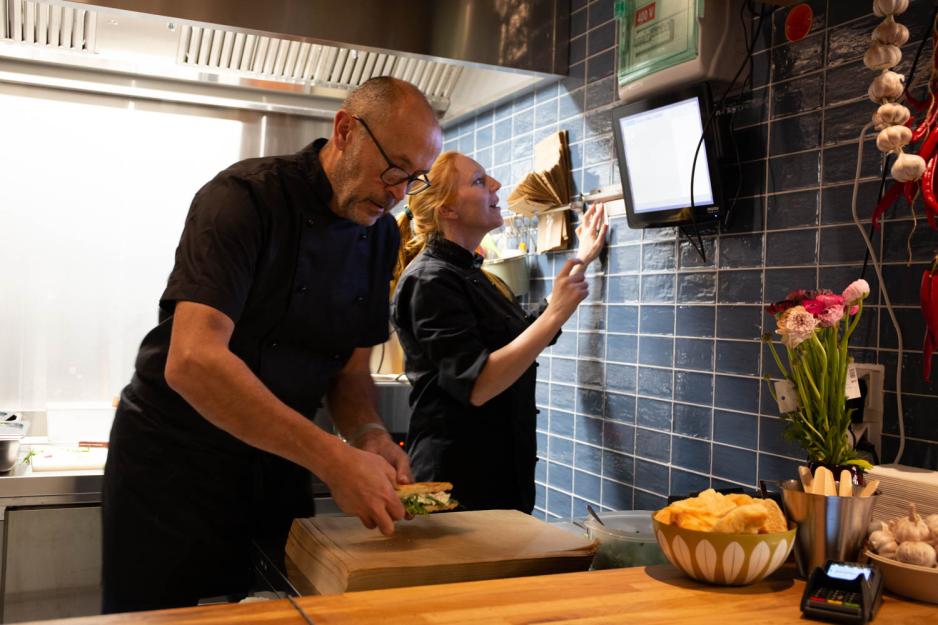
(815, 327)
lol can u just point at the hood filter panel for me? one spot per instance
(45, 24)
(316, 64)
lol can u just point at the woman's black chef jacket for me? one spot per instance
(182, 498)
(449, 318)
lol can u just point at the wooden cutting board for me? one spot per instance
(337, 554)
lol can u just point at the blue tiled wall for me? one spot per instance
(654, 387)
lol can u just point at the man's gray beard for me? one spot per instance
(343, 176)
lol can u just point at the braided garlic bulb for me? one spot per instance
(882, 8)
(890, 114)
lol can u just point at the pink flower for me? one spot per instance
(796, 325)
(827, 307)
(798, 296)
(829, 299)
(814, 306)
(830, 316)
(857, 290)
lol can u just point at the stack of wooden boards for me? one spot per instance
(337, 554)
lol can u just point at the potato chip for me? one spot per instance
(740, 499)
(775, 522)
(711, 511)
(745, 519)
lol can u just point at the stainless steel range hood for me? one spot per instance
(293, 56)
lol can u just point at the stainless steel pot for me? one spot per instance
(9, 452)
(11, 433)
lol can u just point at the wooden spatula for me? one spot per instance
(824, 482)
(806, 478)
(845, 488)
(869, 489)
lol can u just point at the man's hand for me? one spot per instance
(379, 442)
(362, 484)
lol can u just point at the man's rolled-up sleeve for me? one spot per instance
(218, 250)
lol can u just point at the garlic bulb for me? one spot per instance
(882, 56)
(882, 8)
(880, 539)
(890, 114)
(932, 522)
(893, 138)
(908, 168)
(889, 550)
(891, 32)
(911, 528)
(915, 552)
(886, 87)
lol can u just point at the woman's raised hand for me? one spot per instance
(592, 234)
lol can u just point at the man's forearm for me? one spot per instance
(353, 404)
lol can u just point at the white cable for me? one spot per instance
(882, 287)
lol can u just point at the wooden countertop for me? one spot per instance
(654, 594)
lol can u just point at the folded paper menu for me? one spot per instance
(337, 554)
(548, 185)
(552, 232)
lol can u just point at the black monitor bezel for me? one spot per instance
(704, 214)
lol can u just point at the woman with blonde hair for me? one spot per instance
(469, 348)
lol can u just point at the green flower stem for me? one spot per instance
(778, 360)
(810, 379)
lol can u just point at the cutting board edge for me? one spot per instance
(467, 572)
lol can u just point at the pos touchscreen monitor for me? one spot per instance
(656, 139)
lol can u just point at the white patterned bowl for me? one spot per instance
(724, 559)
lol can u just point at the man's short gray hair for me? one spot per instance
(375, 98)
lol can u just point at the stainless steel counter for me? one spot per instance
(21, 486)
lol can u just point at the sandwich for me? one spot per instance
(426, 497)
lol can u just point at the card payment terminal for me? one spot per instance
(845, 592)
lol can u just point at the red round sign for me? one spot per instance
(798, 22)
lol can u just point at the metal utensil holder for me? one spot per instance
(829, 527)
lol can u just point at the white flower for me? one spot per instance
(796, 325)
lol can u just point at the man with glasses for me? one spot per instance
(278, 293)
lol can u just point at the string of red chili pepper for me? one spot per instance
(928, 294)
(929, 146)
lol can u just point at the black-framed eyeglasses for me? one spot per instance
(395, 175)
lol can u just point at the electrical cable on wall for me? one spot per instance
(750, 44)
(877, 267)
(894, 123)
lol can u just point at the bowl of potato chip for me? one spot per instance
(730, 540)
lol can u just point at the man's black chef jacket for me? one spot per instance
(183, 498)
(449, 318)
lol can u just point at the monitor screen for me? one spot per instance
(659, 146)
(656, 140)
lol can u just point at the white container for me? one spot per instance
(513, 270)
(626, 539)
